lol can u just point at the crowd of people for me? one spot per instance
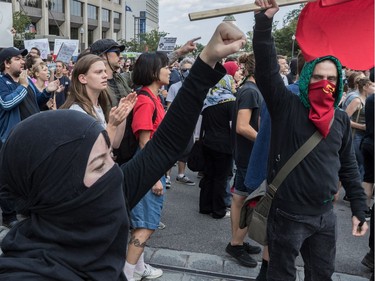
(69, 124)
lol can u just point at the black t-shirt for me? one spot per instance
(61, 97)
(369, 116)
(29, 105)
(248, 97)
(216, 125)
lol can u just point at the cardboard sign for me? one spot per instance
(6, 25)
(41, 44)
(59, 42)
(167, 44)
(65, 53)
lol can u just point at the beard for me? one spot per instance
(16, 73)
(115, 66)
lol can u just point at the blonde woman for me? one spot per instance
(41, 75)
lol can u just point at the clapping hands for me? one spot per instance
(118, 114)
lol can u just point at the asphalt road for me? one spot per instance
(187, 230)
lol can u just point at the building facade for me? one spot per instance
(90, 20)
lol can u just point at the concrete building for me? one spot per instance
(90, 20)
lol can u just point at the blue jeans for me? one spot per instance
(239, 182)
(147, 213)
(357, 139)
(313, 236)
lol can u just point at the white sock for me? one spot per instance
(129, 270)
(181, 175)
(140, 266)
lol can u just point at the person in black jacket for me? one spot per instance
(75, 199)
(301, 218)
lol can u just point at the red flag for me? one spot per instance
(341, 28)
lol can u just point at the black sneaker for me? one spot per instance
(240, 254)
(368, 260)
(252, 250)
(10, 224)
(368, 215)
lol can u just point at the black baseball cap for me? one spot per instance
(11, 52)
(104, 45)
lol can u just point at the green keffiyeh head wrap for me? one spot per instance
(306, 73)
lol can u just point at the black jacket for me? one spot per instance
(310, 187)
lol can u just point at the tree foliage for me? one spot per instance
(145, 42)
(284, 36)
(21, 21)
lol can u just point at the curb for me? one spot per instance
(218, 267)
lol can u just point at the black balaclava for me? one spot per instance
(71, 232)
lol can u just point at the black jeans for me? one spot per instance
(7, 208)
(313, 236)
(213, 184)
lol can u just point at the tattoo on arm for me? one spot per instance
(136, 242)
(173, 56)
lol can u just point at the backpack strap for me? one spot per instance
(145, 93)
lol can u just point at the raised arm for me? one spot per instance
(174, 132)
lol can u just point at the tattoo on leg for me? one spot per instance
(136, 242)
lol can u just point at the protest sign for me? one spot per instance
(167, 44)
(41, 44)
(71, 42)
(6, 25)
(65, 53)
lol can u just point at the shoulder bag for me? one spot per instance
(254, 212)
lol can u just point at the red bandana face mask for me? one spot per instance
(321, 97)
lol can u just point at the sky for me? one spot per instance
(174, 19)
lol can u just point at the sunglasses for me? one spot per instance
(117, 52)
(183, 70)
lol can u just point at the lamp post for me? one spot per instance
(293, 39)
(81, 31)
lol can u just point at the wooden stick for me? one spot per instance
(236, 10)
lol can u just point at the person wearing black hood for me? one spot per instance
(75, 198)
(301, 218)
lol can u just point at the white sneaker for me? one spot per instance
(227, 214)
(149, 273)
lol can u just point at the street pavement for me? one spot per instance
(192, 246)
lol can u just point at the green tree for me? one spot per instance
(146, 42)
(249, 39)
(284, 36)
(21, 21)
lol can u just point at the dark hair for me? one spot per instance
(2, 65)
(248, 60)
(372, 74)
(36, 49)
(30, 61)
(362, 82)
(147, 68)
(63, 63)
(352, 79)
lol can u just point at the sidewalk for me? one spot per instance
(184, 266)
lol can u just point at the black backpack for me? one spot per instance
(129, 143)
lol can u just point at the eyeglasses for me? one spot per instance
(183, 70)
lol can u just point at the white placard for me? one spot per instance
(167, 44)
(41, 44)
(65, 53)
(72, 42)
(6, 25)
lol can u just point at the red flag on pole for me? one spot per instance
(341, 28)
